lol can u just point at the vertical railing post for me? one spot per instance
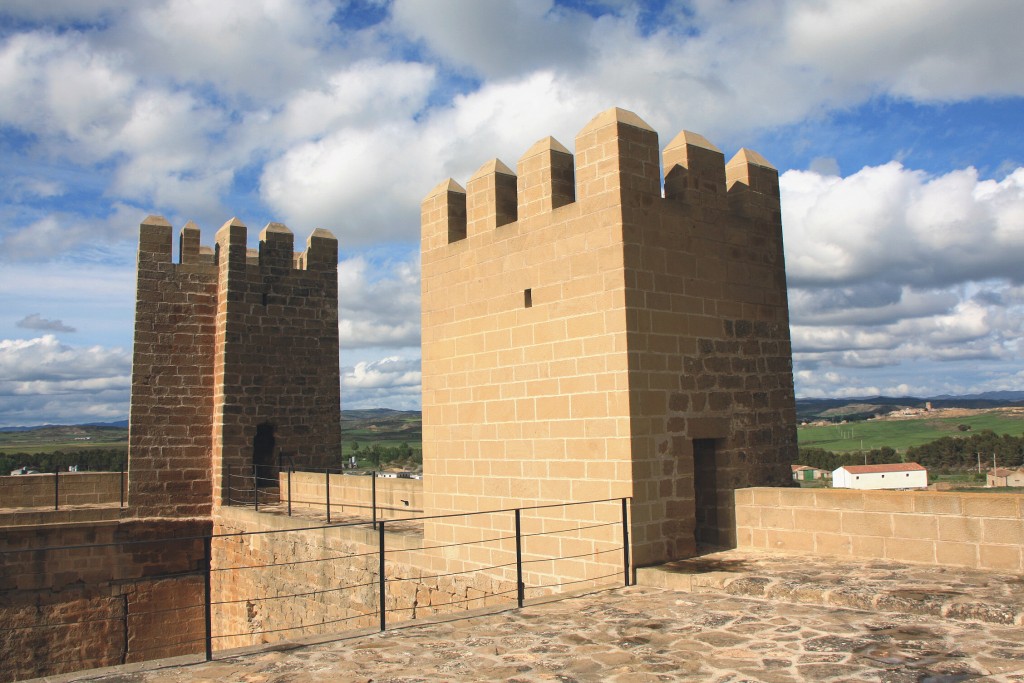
(625, 540)
(373, 496)
(122, 484)
(289, 490)
(520, 586)
(255, 490)
(56, 487)
(231, 482)
(207, 590)
(327, 476)
(383, 579)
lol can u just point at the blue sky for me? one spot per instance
(895, 128)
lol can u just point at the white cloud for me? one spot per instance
(43, 380)
(259, 49)
(379, 303)
(57, 87)
(922, 49)
(275, 107)
(897, 225)
(495, 39)
(392, 382)
(57, 233)
(61, 10)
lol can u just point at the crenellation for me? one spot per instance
(617, 156)
(443, 216)
(749, 171)
(276, 248)
(155, 240)
(321, 253)
(546, 179)
(490, 198)
(694, 171)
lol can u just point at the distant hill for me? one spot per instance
(864, 407)
(404, 425)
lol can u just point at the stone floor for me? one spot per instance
(874, 585)
(734, 616)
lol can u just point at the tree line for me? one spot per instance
(378, 456)
(947, 454)
(87, 460)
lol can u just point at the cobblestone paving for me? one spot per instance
(639, 634)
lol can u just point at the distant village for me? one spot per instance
(900, 476)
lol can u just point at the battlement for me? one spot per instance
(617, 162)
(275, 251)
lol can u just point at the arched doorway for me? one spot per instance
(265, 467)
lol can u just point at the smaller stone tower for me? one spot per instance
(235, 363)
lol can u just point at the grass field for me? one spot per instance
(901, 434)
(63, 439)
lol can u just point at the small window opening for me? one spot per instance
(528, 298)
(264, 298)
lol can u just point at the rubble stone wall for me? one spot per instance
(106, 601)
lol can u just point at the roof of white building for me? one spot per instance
(883, 469)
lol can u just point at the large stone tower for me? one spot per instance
(235, 363)
(587, 336)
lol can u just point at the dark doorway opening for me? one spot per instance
(706, 493)
(265, 468)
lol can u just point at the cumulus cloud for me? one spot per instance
(43, 380)
(379, 303)
(495, 39)
(35, 321)
(57, 233)
(302, 112)
(243, 48)
(891, 267)
(914, 49)
(899, 226)
(393, 382)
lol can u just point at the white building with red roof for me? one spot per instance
(901, 475)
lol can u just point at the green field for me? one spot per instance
(901, 434)
(50, 439)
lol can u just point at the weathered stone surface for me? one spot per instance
(528, 645)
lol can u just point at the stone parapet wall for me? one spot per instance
(288, 580)
(104, 600)
(977, 530)
(73, 488)
(353, 494)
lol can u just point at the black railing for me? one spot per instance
(373, 561)
(247, 488)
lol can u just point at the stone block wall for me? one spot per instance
(73, 488)
(171, 413)
(977, 530)
(585, 337)
(102, 602)
(353, 495)
(276, 368)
